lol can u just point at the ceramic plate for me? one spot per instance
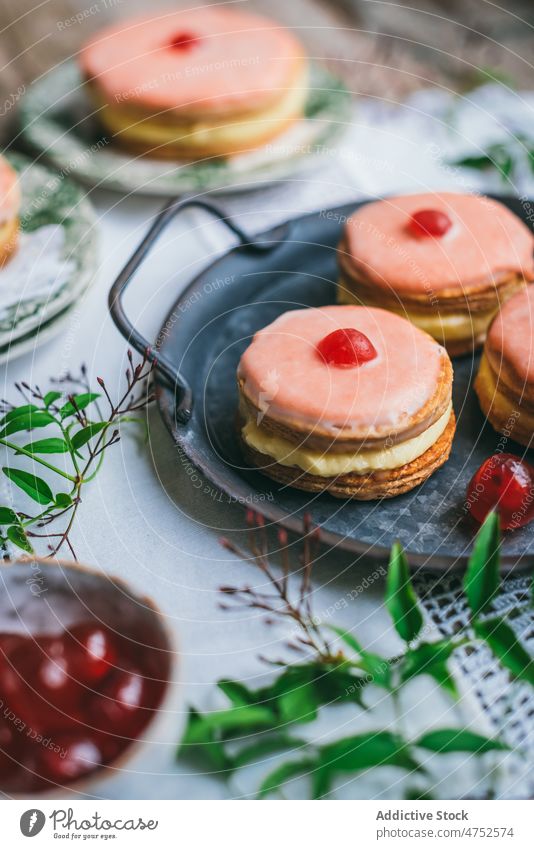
(48, 199)
(58, 120)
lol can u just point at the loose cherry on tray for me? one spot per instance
(504, 483)
(346, 348)
(429, 222)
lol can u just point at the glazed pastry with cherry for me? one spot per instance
(445, 261)
(187, 84)
(350, 400)
(505, 380)
(9, 210)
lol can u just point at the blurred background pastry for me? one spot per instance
(9, 210)
(196, 83)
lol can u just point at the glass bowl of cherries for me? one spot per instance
(86, 677)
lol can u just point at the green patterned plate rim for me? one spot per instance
(58, 120)
(51, 198)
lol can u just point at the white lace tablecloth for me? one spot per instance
(144, 520)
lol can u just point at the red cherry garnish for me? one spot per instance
(429, 222)
(506, 484)
(90, 652)
(346, 348)
(183, 41)
(72, 756)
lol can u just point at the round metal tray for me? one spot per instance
(199, 347)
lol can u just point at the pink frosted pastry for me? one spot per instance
(9, 210)
(505, 380)
(351, 400)
(196, 82)
(445, 261)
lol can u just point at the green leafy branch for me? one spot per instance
(260, 722)
(82, 434)
(506, 157)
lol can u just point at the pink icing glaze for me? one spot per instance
(238, 63)
(285, 376)
(485, 239)
(511, 335)
(9, 192)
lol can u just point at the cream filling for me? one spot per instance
(445, 327)
(329, 464)
(192, 133)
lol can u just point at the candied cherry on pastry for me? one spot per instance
(504, 483)
(183, 41)
(429, 222)
(346, 348)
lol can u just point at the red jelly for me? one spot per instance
(429, 222)
(346, 348)
(504, 483)
(72, 701)
(183, 41)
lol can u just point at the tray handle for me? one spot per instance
(165, 367)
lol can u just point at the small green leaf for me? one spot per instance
(504, 644)
(33, 486)
(63, 500)
(355, 754)
(479, 162)
(430, 659)
(441, 675)
(296, 694)
(54, 445)
(82, 436)
(377, 667)
(16, 534)
(27, 421)
(238, 694)
(481, 581)
(372, 749)
(18, 411)
(236, 720)
(257, 751)
(50, 397)
(401, 600)
(414, 794)
(8, 516)
(201, 739)
(447, 740)
(283, 773)
(81, 401)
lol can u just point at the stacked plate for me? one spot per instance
(55, 261)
